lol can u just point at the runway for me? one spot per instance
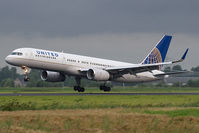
(91, 94)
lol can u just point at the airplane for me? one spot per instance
(55, 66)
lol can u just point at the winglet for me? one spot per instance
(183, 57)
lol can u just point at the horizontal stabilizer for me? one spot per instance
(171, 73)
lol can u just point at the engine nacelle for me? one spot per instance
(98, 74)
(52, 76)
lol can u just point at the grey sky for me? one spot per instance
(124, 30)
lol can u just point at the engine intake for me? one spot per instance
(52, 76)
(98, 75)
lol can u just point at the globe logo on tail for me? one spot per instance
(154, 57)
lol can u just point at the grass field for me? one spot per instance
(117, 120)
(93, 102)
(100, 114)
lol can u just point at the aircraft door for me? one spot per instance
(28, 55)
(31, 55)
(63, 59)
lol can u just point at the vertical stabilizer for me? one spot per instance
(158, 54)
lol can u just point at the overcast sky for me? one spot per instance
(124, 30)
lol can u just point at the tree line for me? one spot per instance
(8, 78)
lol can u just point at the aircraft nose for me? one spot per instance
(7, 59)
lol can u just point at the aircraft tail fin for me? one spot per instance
(158, 54)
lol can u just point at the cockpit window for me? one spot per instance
(17, 53)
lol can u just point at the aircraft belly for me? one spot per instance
(135, 78)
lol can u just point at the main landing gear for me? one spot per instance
(26, 78)
(105, 88)
(81, 89)
(26, 71)
(78, 87)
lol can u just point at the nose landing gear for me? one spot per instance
(26, 71)
(26, 78)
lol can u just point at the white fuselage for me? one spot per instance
(71, 64)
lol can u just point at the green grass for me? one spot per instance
(91, 102)
(106, 113)
(174, 113)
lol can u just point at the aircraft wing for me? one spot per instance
(136, 68)
(141, 67)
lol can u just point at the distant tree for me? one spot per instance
(177, 84)
(34, 76)
(192, 83)
(14, 73)
(70, 81)
(49, 84)
(7, 83)
(35, 80)
(6, 73)
(195, 69)
(167, 69)
(177, 68)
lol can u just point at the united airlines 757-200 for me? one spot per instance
(56, 65)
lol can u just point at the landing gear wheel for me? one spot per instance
(79, 89)
(105, 88)
(26, 79)
(101, 88)
(76, 88)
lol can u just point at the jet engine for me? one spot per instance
(98, 75)
(52, 76)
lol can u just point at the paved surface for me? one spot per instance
(90, 94)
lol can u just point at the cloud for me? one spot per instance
(76, 17)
